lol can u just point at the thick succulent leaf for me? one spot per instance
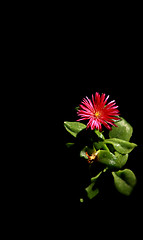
(108, 158)
(122, 159)
(124, 181)
(92, 190)
(123, 130)
(99, 134)
(100, 145)
(120, 145)
(83, 152)
(74, 127)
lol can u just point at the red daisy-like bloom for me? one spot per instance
(97, 112)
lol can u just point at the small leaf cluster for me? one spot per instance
(104, 154)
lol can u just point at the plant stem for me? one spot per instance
(105, 147)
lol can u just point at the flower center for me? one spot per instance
(97, 114)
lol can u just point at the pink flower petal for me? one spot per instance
(97, 112)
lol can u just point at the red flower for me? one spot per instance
(97, 112)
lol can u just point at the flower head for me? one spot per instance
(98, 112)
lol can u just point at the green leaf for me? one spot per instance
(99, 134)
(69, 145)
(122, 159)
(100, 145)
(124, 181)
(74, 127)
(108, 158)
(92, 190)
(123, 131)
(120, 145)
(83, 152)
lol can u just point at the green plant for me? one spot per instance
(105, 152)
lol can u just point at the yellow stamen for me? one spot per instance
(97, 114)
(92, 157)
